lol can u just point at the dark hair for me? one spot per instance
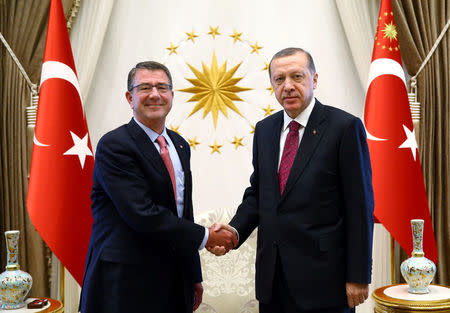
(292, 51)
(148, 65)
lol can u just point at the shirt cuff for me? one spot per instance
(235, 232)
(205, 239)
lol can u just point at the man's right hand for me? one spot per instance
(221, 238)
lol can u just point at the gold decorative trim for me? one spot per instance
(73, 14)
(388, 304)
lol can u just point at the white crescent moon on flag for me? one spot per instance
(380, 67)
(55, 69)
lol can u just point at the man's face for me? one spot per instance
(150, 104)
(293, 82)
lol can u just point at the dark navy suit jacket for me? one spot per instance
(139, 248)
(322, 225)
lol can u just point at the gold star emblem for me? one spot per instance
(191, 36)
(237, 142)
(215, 147)
(193, 142)
(172, 49)
(266, 66)
(213, 31)
(236, 36)
(256, 48)
(390, 31)
(175, 129)
(215, 89)
(268, 110)
(253, 129)
(270, 89)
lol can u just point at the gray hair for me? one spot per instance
(291, 51)
(148, 65)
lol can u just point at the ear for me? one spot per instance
(129, 97)
(315, 77)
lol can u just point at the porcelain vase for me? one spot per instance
(418, 271)
(14, 283)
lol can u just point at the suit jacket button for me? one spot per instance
(275, 243)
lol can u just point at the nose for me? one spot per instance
(153, 92)
(288, 85)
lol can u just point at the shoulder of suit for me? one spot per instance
(114, 135)
(176, 136)
(271, 119)
(336, 113)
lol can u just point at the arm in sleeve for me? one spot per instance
(122, 179)
(356, 185)
(246, 218)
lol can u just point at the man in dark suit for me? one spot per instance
(311, 198)
(143, 253)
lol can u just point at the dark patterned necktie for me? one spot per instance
(289, 152)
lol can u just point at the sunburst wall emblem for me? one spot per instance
(215, 89)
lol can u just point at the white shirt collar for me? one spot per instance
(302, 118)
(151, 133)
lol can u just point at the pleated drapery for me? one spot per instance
(419, 24)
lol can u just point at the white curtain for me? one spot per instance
(108, 40)
(359, 19)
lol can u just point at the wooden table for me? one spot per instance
(54, 306)
(397, 299)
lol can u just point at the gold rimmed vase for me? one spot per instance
(418, 271)
(14, 283)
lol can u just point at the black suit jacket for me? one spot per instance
(321, 226)
(139, 248)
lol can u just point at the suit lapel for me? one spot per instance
(181, 150)
(274, 151)
(184, 159)
(147, 147)
(311, 137)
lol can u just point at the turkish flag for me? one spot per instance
(62, 161)
(397, 177)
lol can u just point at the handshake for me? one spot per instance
(222, 238)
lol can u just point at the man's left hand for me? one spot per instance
(198, 295)
(356, 293)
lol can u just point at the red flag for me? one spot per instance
(397, 177)
(62, 161)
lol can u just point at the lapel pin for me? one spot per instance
(181, 146)
(314, 132)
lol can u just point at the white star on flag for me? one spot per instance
(80, 148)
(410, 141)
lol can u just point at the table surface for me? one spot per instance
(398, 296)
(54, 306)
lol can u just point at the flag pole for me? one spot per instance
(392, 259)
(61, 282)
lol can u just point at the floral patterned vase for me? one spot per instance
(14, 283)
(418, 271)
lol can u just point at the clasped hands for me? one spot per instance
(222, 238)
